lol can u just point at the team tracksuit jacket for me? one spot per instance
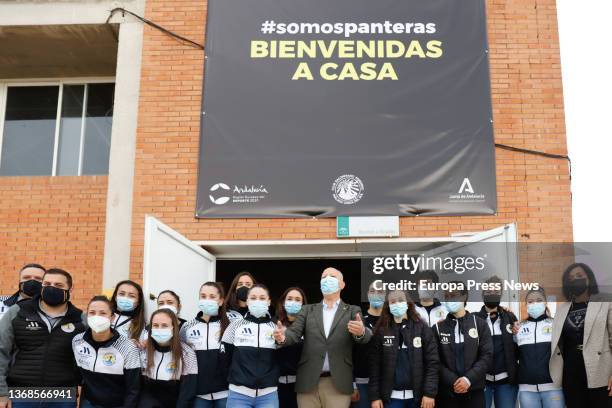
(249, 352)
(162, 386)
(110, 370)
(204, 338)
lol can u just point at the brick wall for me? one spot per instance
(57, 222)
(60, 221)
(528, 112)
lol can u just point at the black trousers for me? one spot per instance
(473, 399)
(579, 396)
(287, 398)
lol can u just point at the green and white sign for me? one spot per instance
(382, 226)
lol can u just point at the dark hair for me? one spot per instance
(171, 293)
(101, 298)
(494, 279)
(33, 265)
(231, 301)
(592, 288)
(542, 292)
(281, 313)
(223, 319)
(138, 320)
(261, 286)
(428, 274)
(462, 292)
(57, 271)
(176, 348)
(385, 321)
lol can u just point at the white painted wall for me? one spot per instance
(586, 63)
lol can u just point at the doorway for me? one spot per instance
(279, 274)
(172, 261)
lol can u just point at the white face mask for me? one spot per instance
(169, 307)
(98, 324)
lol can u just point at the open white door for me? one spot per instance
(173, 262)
(500, 246)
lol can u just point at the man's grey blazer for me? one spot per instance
(338, 345)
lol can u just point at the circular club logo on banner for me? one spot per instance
(219, 200)
(347, 189)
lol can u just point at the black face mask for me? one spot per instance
(492, 301)
(242, 292)
(577, 286)
(492, 305)
(30, 287)
(55, 296)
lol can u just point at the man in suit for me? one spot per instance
(329, 328)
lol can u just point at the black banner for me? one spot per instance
(348, 107)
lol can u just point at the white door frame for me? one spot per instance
(153, 227)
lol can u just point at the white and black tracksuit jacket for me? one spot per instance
(204, 338)
(110, 370)
(533, 339)
(163, 387)
(431, 314)
(122, 324)
(249, 352)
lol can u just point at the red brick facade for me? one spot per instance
(528, 112)
(57, 222)
(61, 220)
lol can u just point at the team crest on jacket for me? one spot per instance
(171, 367)
(509, 328)
(416, 342)
(473, 333)
(547, 329)
(68, 327)
(109, 359)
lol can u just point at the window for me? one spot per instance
(57, 129)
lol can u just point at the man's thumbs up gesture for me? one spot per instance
(356, 327)
(279, 333)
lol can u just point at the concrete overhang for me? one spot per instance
(51, 51)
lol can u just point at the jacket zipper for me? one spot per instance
(535, 344)
(159, 365)
(47, 344)
(95, 361)
(207, 348)
(257, 363)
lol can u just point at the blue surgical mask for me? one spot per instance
(376, 301)
(398, 309)
(292, 307)
(209, 307)
(258, 308)
(329, 285)
(453, 307)
(125, 304)
(536, 309)
(161, 335)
